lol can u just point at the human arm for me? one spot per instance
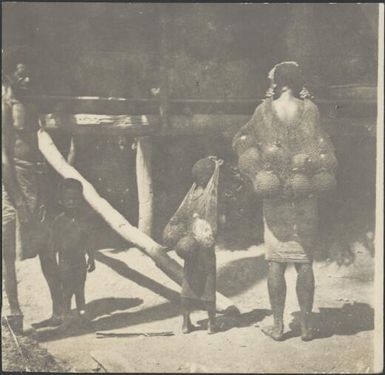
(9, 179)
(90, 250)
(246, 135)
(91, 261)
(323, 147)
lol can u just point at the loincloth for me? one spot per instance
(290, 230)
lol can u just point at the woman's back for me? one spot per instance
(288, 108)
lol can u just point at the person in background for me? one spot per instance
(290, 119)
(21, 201)
(70, 240)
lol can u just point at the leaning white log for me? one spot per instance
(144, 182)
(115, 220)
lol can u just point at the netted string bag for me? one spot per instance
(197, 214)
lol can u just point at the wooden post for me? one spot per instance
(144, 183)
(163, 66)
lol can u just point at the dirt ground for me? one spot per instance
(127, 294)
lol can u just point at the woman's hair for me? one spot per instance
(290, 75)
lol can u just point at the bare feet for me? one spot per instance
(306, 331)
(274, 331)
(211, 329)
(187, 326)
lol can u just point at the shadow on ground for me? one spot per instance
(345, 321)
(111, 322)
(225, 323)
(240, 275)
(236, 277)
(122, 269)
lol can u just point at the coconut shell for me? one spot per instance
(186, 246)
(275, 156)
(328, 161)
(202, 171)
(323, 182)
(266, 183)
(203, 233)
(173, 233)
(299, 184)
(300, 162)
(242, 144)
(250, 162)
(314, 163)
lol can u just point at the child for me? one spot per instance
(70, 239)
(198, 251)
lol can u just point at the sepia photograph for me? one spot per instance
(192, 187)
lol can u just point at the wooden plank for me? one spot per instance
(135, 106)
(201, 124)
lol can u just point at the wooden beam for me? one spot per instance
(144, 182)
(163, 66)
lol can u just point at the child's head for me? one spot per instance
(70, 194)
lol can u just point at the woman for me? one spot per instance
(288, 118)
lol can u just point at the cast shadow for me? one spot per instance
(347, 320)
(106, 306)
(241, 274)
(225, 323)
(111, 322)
(122, 269)
(234, 278)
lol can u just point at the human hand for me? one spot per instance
(91, 265)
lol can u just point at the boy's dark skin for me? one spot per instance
(70, 234)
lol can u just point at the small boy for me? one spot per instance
(70, 240)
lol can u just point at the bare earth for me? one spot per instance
(124, 299)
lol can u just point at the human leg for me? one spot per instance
(50, 271)
(9, 266)
(305, 295)
(79, 292)
(277, 294)
(187, 326)
(211, 323)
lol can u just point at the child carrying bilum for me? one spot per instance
(70, 240)
(196, 245)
